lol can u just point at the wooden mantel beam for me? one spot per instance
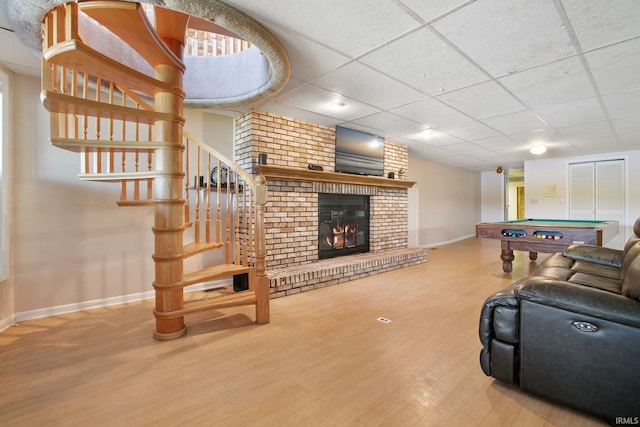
(296, 174)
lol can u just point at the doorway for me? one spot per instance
(514, 194)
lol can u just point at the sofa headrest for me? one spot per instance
(631, 281)
(636, 227)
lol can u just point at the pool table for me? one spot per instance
(544, 235)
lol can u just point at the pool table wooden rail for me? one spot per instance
(521, 235)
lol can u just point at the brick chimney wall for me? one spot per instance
(292, 211)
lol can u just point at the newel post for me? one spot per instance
(262, 285)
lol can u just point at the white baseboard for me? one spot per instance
(457, 239)
(106, 302)
(7, 322)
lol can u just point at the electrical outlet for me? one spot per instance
(383, 320)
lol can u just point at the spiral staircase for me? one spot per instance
(112, 81)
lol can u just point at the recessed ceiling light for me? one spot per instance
(538, 149)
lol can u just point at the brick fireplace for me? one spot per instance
(292, 226)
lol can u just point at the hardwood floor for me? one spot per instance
(324, 360)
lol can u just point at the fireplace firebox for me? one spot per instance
(343, 225)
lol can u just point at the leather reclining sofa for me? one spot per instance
(570, 332)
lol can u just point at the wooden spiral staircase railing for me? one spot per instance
(128, 128)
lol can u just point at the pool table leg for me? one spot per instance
(533, 256)
(506, 256)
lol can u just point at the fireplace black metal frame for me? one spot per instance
(343, 224)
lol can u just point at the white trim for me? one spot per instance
(7, 322)
(457, 239)
(107, 302)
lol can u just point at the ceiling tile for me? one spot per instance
(553, 83)
(314, 99)
(616, 67)
(433, 137)
(597, 24)
(390, 125)
(431, 112)
(627, 125)
(308, 59)
(515, 123)
(580, 111)
(432, 9)
(349, 26)
(358, 81)
(506, 37)
(423, 61)
(470, 131)
(623, 104)
(585, 130)
(483, 100)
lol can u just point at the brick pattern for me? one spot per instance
(292, 280)
(292, 212)
(388, 225)
(286, 142)
(396, 160)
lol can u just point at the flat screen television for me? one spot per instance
(359, 152)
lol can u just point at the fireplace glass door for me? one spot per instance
(343, 225)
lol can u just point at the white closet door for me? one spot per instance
(597, 192)
(610, 193)
(582, 199)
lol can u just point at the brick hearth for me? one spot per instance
(292, 212)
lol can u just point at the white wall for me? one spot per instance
(448, 201)
(72, 246)
(492, 197)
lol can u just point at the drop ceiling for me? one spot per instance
(467, 83)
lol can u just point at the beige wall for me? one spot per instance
(72, 246)
(448, 201)
(7, 296)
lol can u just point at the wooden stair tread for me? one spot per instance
(81, 145)
(67, 104)
(211, 273)
(74, 54)
(148, 202)
(128, 21)
(213, 303)
(199, 247)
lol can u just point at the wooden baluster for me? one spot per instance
(207, 190)
(187, 174)
(123, 190)
(228, 218)
(218, 207)
(149, 161)
(236, 214)
(98, 123)
(112, 166)
(85, 123)
(70, 21)
(74, 93)
(197, 219)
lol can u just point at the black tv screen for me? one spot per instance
(359, 152)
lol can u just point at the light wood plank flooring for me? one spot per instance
(324, 360)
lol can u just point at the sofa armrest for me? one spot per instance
(502, 298)
(595, 254)
(580, 299)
